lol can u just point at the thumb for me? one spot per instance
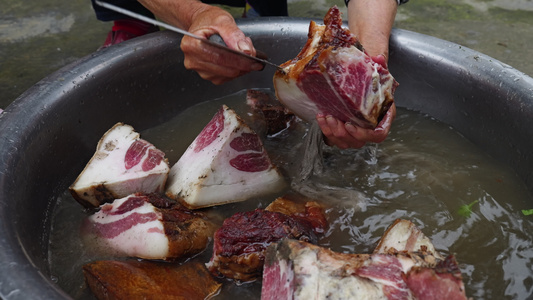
(380, 59)
(235, 39)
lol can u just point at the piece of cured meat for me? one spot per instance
(404, 236)
(270, 111)
(134, 279)
(225, 163)
(333, 75)
(239, 245)
(122, 165)
(147, 226)
(299, 270)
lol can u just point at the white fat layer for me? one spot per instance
(206, 178)
(317, 280)
(397, 237)
(290, 95)
(107, 167)
(145, 240)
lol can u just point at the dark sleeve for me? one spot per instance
(104, 14)
(399, 2)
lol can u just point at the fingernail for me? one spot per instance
(258, 66)
(244, 46)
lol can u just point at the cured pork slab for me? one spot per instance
(123, 164)
(239, 245)
(225, 163)
(147, 226)
(299, 270)
(133, 279)
(333, 75)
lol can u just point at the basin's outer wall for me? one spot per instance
(49, 133)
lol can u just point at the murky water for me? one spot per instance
(424, 172)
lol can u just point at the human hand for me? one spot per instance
(211, 63)
(345, 135)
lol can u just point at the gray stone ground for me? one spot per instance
(39, 37)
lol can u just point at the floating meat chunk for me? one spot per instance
(147, 226)
(133, 279)
(299, 270)
(271, 112)
(239, 245)
(225, 163)
(333, 75)
(122, 165)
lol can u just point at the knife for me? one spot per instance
(214, 40)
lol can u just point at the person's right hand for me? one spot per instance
(211, 63)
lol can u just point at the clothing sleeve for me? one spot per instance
(399, 2)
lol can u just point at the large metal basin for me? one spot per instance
(49, 132)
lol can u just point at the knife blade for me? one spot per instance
(215, 40)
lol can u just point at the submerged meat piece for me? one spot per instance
(122, 165)
(239, 245)
(133, 279)
(225, 163)
(299, 270)
(333, 75)
(147, 226)
(403, 235)
(269, 111)
(299, 206)
(444, 281)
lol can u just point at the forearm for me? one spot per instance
(179, 13)
(371, 21)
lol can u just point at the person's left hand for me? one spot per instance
(345, 135)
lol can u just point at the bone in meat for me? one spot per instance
(122, 165)
(333, 75)
(225, 163)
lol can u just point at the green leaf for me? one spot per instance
(527, 212)
(466, 210)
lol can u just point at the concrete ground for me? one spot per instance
(39, 37)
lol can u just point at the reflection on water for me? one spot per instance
(424, 172)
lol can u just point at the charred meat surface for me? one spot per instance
(269, 111)
(122, 165)
(239, 245)
(225, 163)
(133, 279)
(333, 75)
(147, 226)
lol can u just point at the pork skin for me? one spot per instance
(134, 279)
